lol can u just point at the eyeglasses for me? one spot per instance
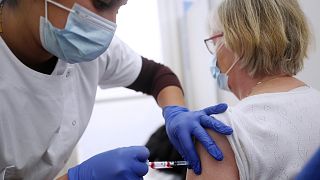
(211, 43)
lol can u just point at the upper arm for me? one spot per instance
(213, 169)
(153, 78)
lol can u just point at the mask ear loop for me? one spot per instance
(58, 5)
(46, 9)
(234, 63)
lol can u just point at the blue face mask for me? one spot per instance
(85, 37)
(222, 78)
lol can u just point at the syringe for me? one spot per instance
(166, 164)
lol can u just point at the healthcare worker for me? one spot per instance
(54, 54)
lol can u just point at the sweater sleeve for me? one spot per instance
(154, 77)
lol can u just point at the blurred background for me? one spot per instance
(170, 32)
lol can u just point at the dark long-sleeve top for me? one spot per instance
(153, 78)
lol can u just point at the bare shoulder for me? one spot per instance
(212, 169)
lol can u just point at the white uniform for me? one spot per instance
(42, 117)
(274, 134)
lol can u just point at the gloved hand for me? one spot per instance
(120, 164)
(182, 125)
(312, 169)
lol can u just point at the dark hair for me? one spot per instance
(104, 4)
(97, 3)
(161, 149)
(11, 3)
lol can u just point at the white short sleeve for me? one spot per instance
(274, 134)
(119, 66)
(234, 119)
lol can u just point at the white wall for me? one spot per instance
(199, 59)
(311, 72)
(183, 29)
(119, 123)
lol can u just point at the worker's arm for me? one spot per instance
(159, 81)
(171, 95)
(212, 169)
(181, 124)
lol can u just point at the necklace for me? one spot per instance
(261, 82)
(1, 19)
(267, 80)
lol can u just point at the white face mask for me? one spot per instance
(222, 78)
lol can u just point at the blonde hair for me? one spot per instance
(270, 36)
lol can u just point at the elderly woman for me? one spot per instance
(258, 46)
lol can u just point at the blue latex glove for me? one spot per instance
(312, 170)
(120, 164)
(182, 125)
